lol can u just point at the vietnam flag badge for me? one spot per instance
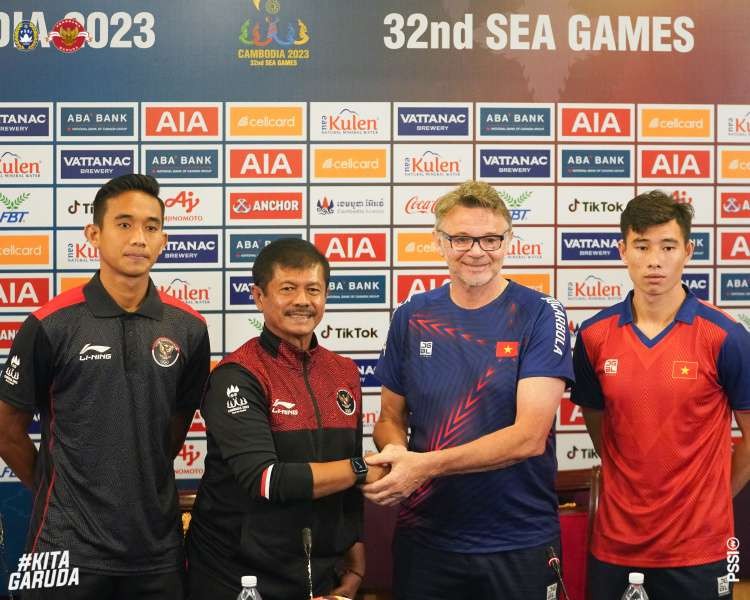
(506, 349)
(684, 369)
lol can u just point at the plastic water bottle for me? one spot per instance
(635, 589)
(249, 588)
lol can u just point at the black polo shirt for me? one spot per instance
(106, 384)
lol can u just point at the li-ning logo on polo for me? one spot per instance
(236, 405)
(92, 352)
(610, 366)
(284, 408)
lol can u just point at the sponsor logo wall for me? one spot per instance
(360, 180)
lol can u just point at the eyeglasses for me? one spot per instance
(464, 243)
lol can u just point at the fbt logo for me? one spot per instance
(8, 330)
(266, 163)
(352, 247)
(698, 283)
(24, 292)
(409, 284)
(735, 245)
(181, 121)
(265, 205)
(606, 123)
(735, 205)
(676, 163)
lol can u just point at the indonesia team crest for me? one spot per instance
(346, 402)
(165, 351)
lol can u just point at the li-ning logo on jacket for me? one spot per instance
(91, 352)
(284, 408)
(236, 405)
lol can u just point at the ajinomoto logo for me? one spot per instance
(541, 282)
(734, 163)
(180, 121)
(676, 123)
(416, 247)
(24, 250)
(349, 163)
(265, 122)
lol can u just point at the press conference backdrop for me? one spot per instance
(342, 122)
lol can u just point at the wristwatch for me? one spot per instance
(360, 468)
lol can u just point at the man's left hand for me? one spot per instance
(409, 471)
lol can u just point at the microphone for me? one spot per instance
(307, 545)
(554, 563)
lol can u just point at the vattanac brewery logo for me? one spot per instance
(272, 40)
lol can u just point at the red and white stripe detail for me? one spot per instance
(265, 482)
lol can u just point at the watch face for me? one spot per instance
(359, 465)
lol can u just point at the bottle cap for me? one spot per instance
(249, 581)
(635, 578)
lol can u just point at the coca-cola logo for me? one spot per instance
(418, 206)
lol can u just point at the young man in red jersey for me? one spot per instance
(658, 376)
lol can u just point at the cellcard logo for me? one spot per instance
(598, 123)
(594, 246)
(430, 121)
(734, 163)
(182, 163)
(95, 164)
(349, 163)
(595, 163)
(266, 122)
(356, 289)
(515, 122)
(245, 247)
(169, 122)
(698, 283)
(21, 122)
(514, 163)
(241, 290)
(29, 249)
(100, 121)
(676, 123)
(191, 248)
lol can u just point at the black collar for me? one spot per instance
(274, 345)
(103, 305)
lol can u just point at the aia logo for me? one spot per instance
(181, 121)
(676, 163)
(262, 163)
(352, 247)
(571, 414)
(735, 245)
(610, 123)
(24, 292)
(408, 285)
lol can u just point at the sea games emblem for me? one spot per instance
(68, 36)
(269, 41)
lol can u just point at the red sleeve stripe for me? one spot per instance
(68, 298)
(172, 301)
(265, 482)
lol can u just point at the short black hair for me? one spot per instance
(655, 208)
(289, 253)
(125, 183)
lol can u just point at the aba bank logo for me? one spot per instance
(265, 205)
(187, 292)
(734, 205)
(698, 283)
(24, 292)
(594, 246)
(356, 289)
(591, 163)
(352, 247)
(594, 288)
(675, 163)
(515, 121)
(610, 123)
(100, 121)
(735, 245)
(181, 121)
(507, 163)
(190, 248)
(8, 330)
(183, 163)
(246, 247)
(432, 121)
(24, 122)
(409, 284)
(241, 290)
(266, 163)
(349, 121)
(701, 245)
(96, 164)
(366, 368)
(735, 287)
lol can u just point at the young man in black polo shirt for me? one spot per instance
(115, 369)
